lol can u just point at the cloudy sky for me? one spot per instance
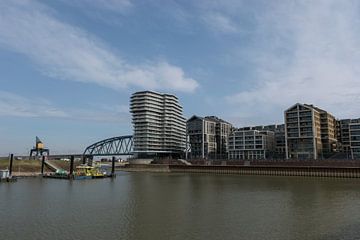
(68, 68)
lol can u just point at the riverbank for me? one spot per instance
(33, 167)
(22, 166)
(309, 171)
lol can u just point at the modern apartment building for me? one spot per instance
(280, 145)
(303, 132)
(343, 134)
(279, 131)
(251, 145)
(222, 132)
(354, 133)
(328, 133)
(159, 126)
(208, 137)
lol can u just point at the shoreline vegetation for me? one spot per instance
(32, 168)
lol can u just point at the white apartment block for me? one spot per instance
(251, 145)
(159, 126)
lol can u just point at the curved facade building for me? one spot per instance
(159, 126)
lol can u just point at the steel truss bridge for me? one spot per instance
(115, 146)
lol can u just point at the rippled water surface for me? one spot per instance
(181, 206)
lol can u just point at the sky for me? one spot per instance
(68, 68)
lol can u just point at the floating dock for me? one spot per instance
(74, 177)
(81, 172)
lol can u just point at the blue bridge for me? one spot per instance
(115, 146)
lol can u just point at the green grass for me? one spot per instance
(22, 165)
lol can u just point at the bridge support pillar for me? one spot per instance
(113, 167)
(71, 174)
(11, 164)
(42, 165)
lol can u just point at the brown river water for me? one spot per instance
(181, 206)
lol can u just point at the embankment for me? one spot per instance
(304, 171)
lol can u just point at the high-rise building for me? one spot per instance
(159, 126)
(302, 132)
(310, 132)
(208, 137)
(251, 144)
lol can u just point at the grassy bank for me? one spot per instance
(22, 165)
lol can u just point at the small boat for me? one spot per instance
(87, 172)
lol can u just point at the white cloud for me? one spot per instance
(219, 23)
(66, 52)
(107, 11)
(307, 51)
(13, 105)
(18, 106)
(108, 5)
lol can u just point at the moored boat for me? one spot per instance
(88, 172)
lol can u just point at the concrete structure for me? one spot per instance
(222, 132)
(343, 135)
(208, 137)
(310, 132)
(354, 133)
(328, 133)
(251, 144)
(279, 131)
(301, 171)
(302, 132)
(159, 126)
(280, 145)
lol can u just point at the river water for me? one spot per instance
(181, 206)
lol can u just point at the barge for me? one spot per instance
(82, 172)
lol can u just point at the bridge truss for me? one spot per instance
(122, 145)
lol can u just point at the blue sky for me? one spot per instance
(68, 68)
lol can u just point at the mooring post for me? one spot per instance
(42, 165)
(113, 167)
(72, 166)
(11, 164)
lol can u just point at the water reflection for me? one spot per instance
(181, 206)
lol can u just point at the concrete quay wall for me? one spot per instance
(145, 168)
(339, 172)
(310, 171)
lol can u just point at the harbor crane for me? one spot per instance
(39, 148)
